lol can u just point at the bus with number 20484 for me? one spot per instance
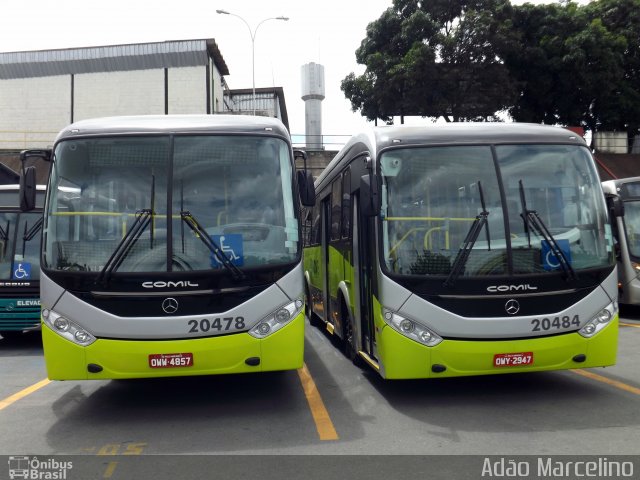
(171, 246)
(463, 249)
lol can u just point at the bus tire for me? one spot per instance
(349, 344)
(308, 310)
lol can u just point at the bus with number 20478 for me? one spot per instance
(171, 246)
(463, 249)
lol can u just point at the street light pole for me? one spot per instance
(252, 33)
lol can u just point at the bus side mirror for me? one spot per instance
(306, 188)
(369, 196)
(28, 177)
(28, 189)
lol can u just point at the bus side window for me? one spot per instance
(346, 204)
(336, 208)
(316, 231)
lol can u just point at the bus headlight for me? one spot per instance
(277, 319)
(412, 329)
(600, 321)
(67, 329)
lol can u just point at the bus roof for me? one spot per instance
(470, 132)
(614, 187)
(155, 124)
(622, 181)
(462, 133)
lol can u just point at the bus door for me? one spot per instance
(334, 262)
(323, 310)
(364, 260)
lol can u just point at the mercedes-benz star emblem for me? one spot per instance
(512, 307)
(170, 305)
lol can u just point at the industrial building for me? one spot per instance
(43, 91)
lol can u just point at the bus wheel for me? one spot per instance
(349, 345)
(308, 311)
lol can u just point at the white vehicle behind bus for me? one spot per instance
(624, 196)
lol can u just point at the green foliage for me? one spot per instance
(436, 58)
(558, 63)
(568, 65)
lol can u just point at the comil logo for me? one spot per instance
(523, 287)
(180, 283)
(35, 469)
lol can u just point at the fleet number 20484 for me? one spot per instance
(555, 323)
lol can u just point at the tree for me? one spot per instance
(433, 59)
(571, 63)
(620, 110)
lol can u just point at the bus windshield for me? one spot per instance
(543, 207)
(20, 245)
(119, 203)
(632, 226)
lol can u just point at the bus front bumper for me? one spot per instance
(402, 358)
(120, 359)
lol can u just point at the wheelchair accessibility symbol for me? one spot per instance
(549, 259)
(231, 246)
(21, 271)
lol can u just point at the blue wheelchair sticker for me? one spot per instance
(231, 245)
(549, 260)
(21, 271)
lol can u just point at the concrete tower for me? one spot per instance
(313, 94)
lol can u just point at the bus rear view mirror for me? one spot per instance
(306, 188)
(369, 197)
(28, 189)
(28, 178)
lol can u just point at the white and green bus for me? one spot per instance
(463, 249)
(171, 246)
(20, 234)
(626, 230)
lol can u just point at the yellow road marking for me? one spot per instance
(608, 381)
(110, 469)
(23, 393)
(321, 417)
(634, 325)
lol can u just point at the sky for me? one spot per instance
(326, 32)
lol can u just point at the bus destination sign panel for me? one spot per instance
(170, 360)
(512, 359)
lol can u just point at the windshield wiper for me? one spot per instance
(4, 236)
(30, 233)
(143, 218)
(478, 224)
(3, 232)
(533, 222)
(204, 237)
